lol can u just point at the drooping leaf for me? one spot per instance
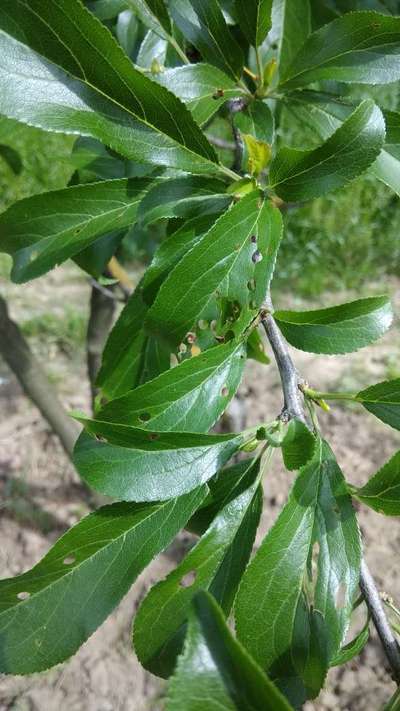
(338, 329)
(254, 19)
(301, 175)
(291, 616)
(49, 611)
(130, 356)
(298, 445)
(188, 398)
(361, 47)
(202, 87)
(215, 666)
(382, 491)
(291, 21)
(383, 400)
(44, 230)
(159, 624)
(70, 75)
(197, 683)
(353, 648)
(186, 197)
(203, 24)
(137, 465)
(238, 256)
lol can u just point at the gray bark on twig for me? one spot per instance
(34, 381)
(102, 309)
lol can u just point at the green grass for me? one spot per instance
(66, 331)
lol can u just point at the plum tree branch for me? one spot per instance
(293, 407)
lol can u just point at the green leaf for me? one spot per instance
(338, 329)
(44, 230)
(202, 87)
(153, 14)
(383, 400)
(256, 349)
(254, 18)
(171, 251)
(291, 20)
(387, 166)
(382, 491)
(152, 52)
(137, 465)
(361, 47)
(186, 197)
(130, 356)
(257, 120)
(127, 30)
(212, 655)
(190, 397)
(94, 259)
(106, 9)
(301, 175)
(49, 611)
(159, 623)
(229, 254)
(292, 616)
(323, 113)
(12, 158)
(298, 445)
(203, 24)
(353, 648)
(91, 87)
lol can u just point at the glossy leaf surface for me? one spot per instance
(164, 610)
(66, 596)
(185, 197)
(338, 329)
(189, 397)
(217, 668)
(298, 445)
(362, 47)
(45, 230)
(91, 87)
(234, 272)
(382, 491)
(383, 400)
(292, 25)
(136, 465)
(203, 24)
(293, 622)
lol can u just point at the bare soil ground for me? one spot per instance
(41, 496)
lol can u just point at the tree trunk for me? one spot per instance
(102, 308)
(18, 355)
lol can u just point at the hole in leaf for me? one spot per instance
(173, 360)
(202, 324)
(23, 595)
(188, 579)
(153, 436)
(195, 350)
(190, 337)
(256, 256)
(78, 230)
(182, 348)
(69, 560)
(251, 285)
(225, 391)
(341, 596)
(144, 416)
(253, 239)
